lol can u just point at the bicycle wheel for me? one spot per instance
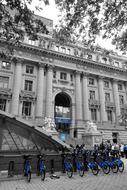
(114, 168)
(95, 169)
(43, 175)
(81, 171)
(106, 169)
(121, 167)
(70, 171)
(29, 176)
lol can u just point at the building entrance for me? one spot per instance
(63, 115)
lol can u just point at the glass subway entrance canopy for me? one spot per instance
(16, 135)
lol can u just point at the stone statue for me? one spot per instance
(91, 127)
(49, 124)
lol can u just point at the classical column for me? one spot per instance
(102, 99)
(125, 84)
(40, 92)
(73, 121)
(85, 98)
(16, 87)
(116, 97)
(49, 91)
(78, 99)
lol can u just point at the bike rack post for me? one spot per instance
(11, 169)
(52, 166)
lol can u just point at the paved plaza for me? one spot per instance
(88, 182)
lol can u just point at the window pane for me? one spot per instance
(4, 81)
(29, 69)
(106, 84)
(93, 114)
(6, 65)
(26, 110)
(28, 85)
(91, 81)
(63, 76)
(107, 97)
(2, 104)
(92, 95)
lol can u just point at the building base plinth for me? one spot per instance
(91, 139)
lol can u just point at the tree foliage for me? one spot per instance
(87, 19)
(16, 20)
(79, 20)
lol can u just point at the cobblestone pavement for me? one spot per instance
(88, 182)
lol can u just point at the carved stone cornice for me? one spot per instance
(94, 104)
(77, 73)
(50, 67)
(25, 95)
(110, 106)
(85, 74)
(18, 60)
(41, 65)
(123, 106)
(5, 93)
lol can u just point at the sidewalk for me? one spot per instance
(88, 182)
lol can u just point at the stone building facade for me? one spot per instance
(67, 83)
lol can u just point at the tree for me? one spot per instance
(16, 20)
(79, 20)
(87, 19)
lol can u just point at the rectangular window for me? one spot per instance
(28, 85)
(93, 114)
(26, 109)
(89, 56)
(109, 115)
(4, 82)
(3, 104)
(121, 99)
(116, 64)
(91, 81)
(106, 84)
(71, 77)
(29, 69)
(54, 74)
(63, 76)
(92, 95)
(6, 65)
(120, 87)
(107, 97)
(68, 51)
(63, 50)
(57, 48)
(31, 42)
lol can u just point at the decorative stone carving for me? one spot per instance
(49, 124)
(91, 127)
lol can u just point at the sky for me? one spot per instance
(51, 12)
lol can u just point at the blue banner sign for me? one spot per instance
(62, 120)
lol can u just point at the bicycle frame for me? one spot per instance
(27, 167)
(67, 165)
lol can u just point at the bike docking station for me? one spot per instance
(91, 136)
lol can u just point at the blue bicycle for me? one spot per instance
(94, 167)
(27, 168)
(90, 164)
(113, 166)
(119, 163)
(100, 160)
(41, 168)
(68, 166)
(79, 166)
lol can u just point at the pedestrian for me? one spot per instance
(125, 150)
(122, 150)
